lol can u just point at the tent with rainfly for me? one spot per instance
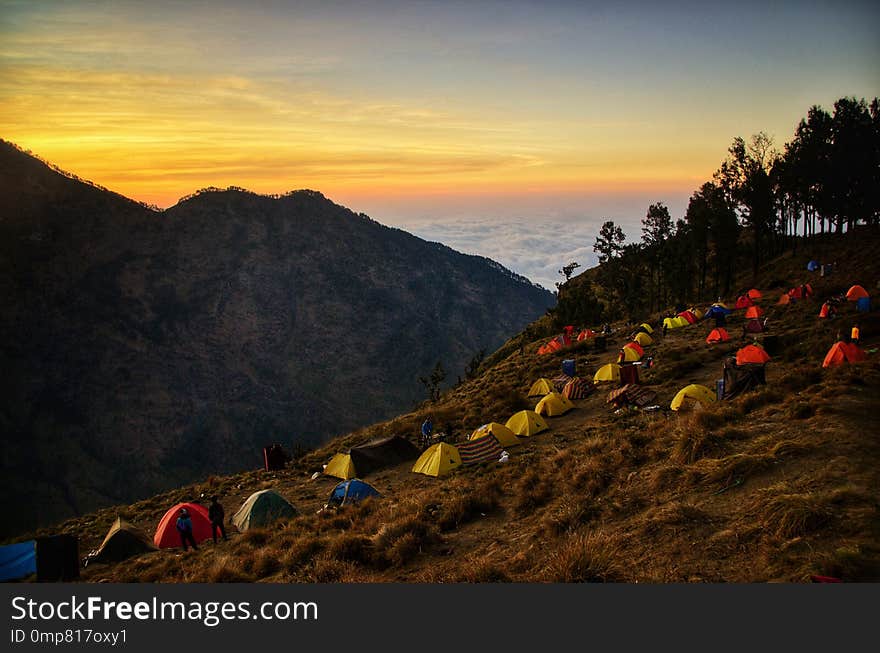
(784, 299)
(689, 316)
(553, 404)
(754, 312)
(717, 335)
(167, 537)
(608, 372)
(340, 466)
(504, 435)
(843, 352)
(647, 328)
(675, 322)
(693, 396)
(541, 387)
(855, 293)
(743, 301)
(437, 460)
(262, 509)
(382, 452)
(481, 450)
(751, 354)
(351, 491)
(628, 355)
(643, 339)
(526, 423)
(122, 541)
(636, 347)
(754, 294)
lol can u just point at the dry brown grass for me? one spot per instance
(590, 558)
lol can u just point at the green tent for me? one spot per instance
(261, 509)
(122, 541)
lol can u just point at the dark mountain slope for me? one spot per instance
(144, 348)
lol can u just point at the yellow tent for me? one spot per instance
(693, 396)
(554, 404)
(526, 423)
(505, 437)
(609, 372)
(437, 460)
(647, 327)
(541, 387)
(643, 339)
(697, 313)
(629, 355)
(675, 322)
(340, 466)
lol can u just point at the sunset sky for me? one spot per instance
(423, 114)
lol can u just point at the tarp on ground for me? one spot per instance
(855, 293)
(693, 396)
(541, 387)
(717, 335)
(578, 388)
(437, 460)
(486, 449)
(553, 404)
(752, 354)
(122, 541)
(340, 466)
(608, 372)
(526, 423)
(18, 560)
(504, 435)
(843, 352)
(643, 339)
(167, 537)
(351, 491)
(262, 509)
(381, 453)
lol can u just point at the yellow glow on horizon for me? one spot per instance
(156, 138)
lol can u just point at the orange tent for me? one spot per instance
(754, 312)
(785, 299)
(167, 537)
(717, 335)
(751, 354)
(825, 310)
(586, 333)
(843, 352)
(754, 293)
(550, 347)
(855, 293)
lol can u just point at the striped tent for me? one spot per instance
(578, 388)
(560, 381)
(479, 451)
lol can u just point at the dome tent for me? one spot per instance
(262, 509)
(351, 491)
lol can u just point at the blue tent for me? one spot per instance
(812, 266)
(18, 560)
(351, 491)
(715, 310)
(863, 304)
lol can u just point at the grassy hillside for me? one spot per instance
(777, 485)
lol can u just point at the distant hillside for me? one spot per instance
(142, 349)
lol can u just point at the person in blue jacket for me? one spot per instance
(185, 528)
(427, 430)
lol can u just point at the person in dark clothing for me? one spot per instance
(185, 528)
(216, 514)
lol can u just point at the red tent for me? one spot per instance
(743, 301)
(167, 537)
(717, 335)
(843, 352)
(636, 346)
(754, 312)
(690, 317)
(751, 354)
(754, 293)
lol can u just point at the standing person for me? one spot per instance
(185, 528)
(854, 334)
(216, 514)
(427, 429)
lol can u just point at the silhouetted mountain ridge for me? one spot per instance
(144, 348)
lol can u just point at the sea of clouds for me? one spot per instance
(536, 249)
